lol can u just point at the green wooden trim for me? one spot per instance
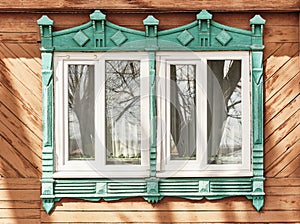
(201, 35)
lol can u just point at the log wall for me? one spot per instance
(21, 132)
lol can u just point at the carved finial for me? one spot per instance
(45, 21)
(204, 20)
(98, 20)
(257, 23)
(150, 20)
(204, 15)
(257, 20)
(97, 15)
(46, 25)
(151, 24)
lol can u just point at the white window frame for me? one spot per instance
(200, 167)
(65, 168)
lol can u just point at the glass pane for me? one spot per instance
(81, 112)
(182, 112)
(224, 112)
(123, 122)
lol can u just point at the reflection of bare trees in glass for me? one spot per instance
(122, 96)
(224, 111)
(81, 111)
(182, 108)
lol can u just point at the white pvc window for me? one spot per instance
(204, 118)
(102, 114)
(101, 102)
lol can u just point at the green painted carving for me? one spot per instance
(118, 38)
(204, 21)
(98, 20)
(185, 37)
(201, 35)
(46, 25)
(224, 37)
(258, 202)
(151, 24)
(152, 115)
(257, 101)
(48, 204)
(80, 38)
(203, 186)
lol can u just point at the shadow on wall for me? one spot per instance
(20, 132)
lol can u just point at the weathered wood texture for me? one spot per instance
(20, 124)
(146, 5)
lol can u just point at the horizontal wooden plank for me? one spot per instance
(235, 204)
(20, 195)
(26, 22)
(282, 182)
(17, 221)
(20, 204)
(20, 213)
(19, 184)
(288, 34)
(141, 5)
(171, 216)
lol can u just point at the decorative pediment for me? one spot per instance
(102, 35)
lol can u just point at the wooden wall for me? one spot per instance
(20, 123)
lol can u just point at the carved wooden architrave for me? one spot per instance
(201, 35)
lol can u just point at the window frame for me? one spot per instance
(202, 35)
(96, 167)
(200, 167)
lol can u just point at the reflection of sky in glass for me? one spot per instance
(122, 96)
(183, 127)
